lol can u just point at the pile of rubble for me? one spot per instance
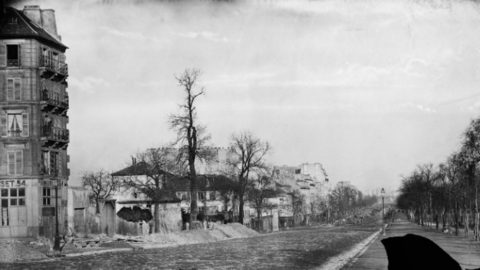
(15, 250)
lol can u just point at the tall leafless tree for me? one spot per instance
(101, 186)
(247, 156)
(191, 136)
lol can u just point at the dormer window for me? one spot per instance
(135, 195)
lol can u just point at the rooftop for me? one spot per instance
(15, 24)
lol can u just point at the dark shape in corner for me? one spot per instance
(416, 252)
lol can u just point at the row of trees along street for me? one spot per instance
(447, 193)
(162, 166)
(347, 200)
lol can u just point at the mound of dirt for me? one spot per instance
(245, 231)
(20, 251)
(219, 232)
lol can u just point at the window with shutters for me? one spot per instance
(15, 162)
(14, 89)
(15, 124)
(13, 55)
(45, 169)
(51, 163)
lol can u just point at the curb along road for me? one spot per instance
(349, 256)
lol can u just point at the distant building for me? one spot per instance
(309, 179)
(33, 119)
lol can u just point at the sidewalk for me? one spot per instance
(462, 249)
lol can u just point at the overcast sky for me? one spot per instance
(369, 89)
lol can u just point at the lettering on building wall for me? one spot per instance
(49, 183)
(13, 183)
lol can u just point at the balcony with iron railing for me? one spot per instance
(54, 66)
(54, 101)
(13, 62)
(14, 132)
(54, 136)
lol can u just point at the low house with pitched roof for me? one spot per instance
(215, 196)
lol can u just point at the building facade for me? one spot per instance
(33, 123)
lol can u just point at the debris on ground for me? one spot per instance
(218, 232)
(15, 250)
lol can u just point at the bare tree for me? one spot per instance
(262, 189)
(297, 207)
(191, 136)
(100, 185)
(247, 156)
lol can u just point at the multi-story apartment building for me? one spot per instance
(33, 118)
(309, 179)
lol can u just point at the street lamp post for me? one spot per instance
(56, 246)
(383, 212)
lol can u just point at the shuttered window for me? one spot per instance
(59, 164)
(53, 163)
(11, 163)
(18, 89)
(3, 124)
(3, 55)
(10, 88)
(25, 125)
(15, 162)
(15, 125)
(14, 89)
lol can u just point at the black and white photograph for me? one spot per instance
(240, 134)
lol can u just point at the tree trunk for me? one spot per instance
(240, 210)
(456, 218)
(444, 220)
(476, 217)
(98, 205)
(156, 216)
(466, 221)
(259, 217)
(194, 195)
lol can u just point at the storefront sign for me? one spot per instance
(48, 211)
(13, 183)
(50, 183)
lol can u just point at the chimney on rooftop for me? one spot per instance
(44, 18)
(33, 13)
(48, 22)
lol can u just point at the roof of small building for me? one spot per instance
(25, 28)
(139, 168)
(180, 183)
(147, 201)
(214, 182)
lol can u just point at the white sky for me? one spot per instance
(368, 88)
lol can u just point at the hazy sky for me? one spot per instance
(368, 88)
